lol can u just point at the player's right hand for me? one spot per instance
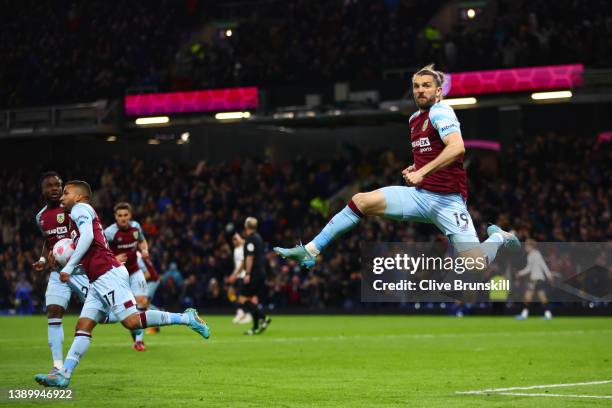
(408, 169)
(122, 258)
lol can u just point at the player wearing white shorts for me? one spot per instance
(125, 238)
(109, 288)
(55, 225)
(436, 190)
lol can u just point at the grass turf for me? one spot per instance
(356, 361)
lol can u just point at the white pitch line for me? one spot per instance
(526, 394)
(534, 387)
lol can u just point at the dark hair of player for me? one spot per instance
(48, 174)
(122, 206)
(83, 187)
(430, 70)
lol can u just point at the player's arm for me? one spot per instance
(453, 150)
(443, 119)
(84, 221)
(39, 265)
(143, 245)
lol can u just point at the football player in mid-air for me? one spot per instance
(109, 287)
(125, 238)
(436, 190)
(55, 225)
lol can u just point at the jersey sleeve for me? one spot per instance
(136, 225)
(37, 219)
(444, 120)
(83, 217)
(110, 232)
(249, 248)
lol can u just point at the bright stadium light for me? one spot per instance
(111, 138)
(185, 137)
(153, 141)
(232, 115)
(471, 13)
(152, 120)
(460, 101)
(540, 96)
(228, 33)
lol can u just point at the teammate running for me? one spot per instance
(125, 238)
(109, 286)
(437, 184)
(55, 224)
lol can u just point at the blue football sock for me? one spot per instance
(491, 246)
(79, 347)
(55, 335)
(343, 221)
(156, 318)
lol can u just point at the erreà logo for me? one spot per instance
(425, 125)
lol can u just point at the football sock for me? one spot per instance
(491, 246)
(82, 340)
(155, 318)
(343, 221)
(255, 312)
(138, 334)
(55, 335)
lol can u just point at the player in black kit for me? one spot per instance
(253, 282)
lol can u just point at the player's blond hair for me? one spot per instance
(438, 76)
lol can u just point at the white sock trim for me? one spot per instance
(312, 249)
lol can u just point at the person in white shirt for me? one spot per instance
(237, 275)
(538, 273)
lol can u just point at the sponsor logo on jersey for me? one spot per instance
(60, 218)
(425, 125)
(57, 231)
(127, 246)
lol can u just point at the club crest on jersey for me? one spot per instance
(135, 234)
(425, 125)
(60, 218)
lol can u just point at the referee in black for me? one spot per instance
(253, 281)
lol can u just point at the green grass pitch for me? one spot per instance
(326, 361)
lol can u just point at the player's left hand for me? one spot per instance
(145, 254)
(413, 178)
(64, 277)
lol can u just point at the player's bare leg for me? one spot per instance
(528, 298)
(544, 301)
(55, 334)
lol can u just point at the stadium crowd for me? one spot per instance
(82, 50)
(551, 188)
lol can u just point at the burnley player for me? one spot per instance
(437, 184)
(125, 238)
(55, 224)
(109, 288)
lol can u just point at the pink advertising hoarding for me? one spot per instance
(516, 80)
(209, 100)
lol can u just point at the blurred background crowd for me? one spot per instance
(77, 50)
(553, 187)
